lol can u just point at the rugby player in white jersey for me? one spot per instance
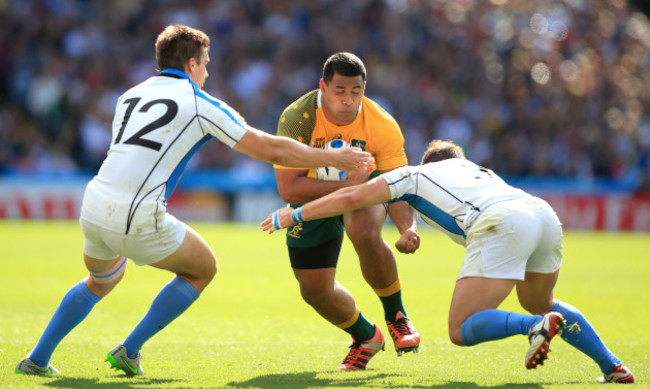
(158, 125)
(512, 239)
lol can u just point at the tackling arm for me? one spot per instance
(336, 203)
(295, 187)
(288, 152)
(405, 220)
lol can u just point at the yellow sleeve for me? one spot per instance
(388, 140)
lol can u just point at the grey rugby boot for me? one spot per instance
(26, 366)
(119, 359)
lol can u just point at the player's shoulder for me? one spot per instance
(379, 120)
(455, 168)
(299, 118)
(401, 173)
(160, 87)
(303, 108)
(376, 110)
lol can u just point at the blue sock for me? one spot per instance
(493, 324)
(585, 340)
(74, 307)
(172, 300)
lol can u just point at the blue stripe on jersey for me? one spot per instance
(199, 93)
(178, 172)
(434, 213)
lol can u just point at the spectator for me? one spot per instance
(537, 88)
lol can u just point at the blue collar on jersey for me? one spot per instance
(178, 73)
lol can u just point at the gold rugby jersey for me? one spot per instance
(373, 130)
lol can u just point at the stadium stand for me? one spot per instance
(531, 89)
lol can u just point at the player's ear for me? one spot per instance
(190, 65)
(322, 85)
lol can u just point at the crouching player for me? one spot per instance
(512, 239)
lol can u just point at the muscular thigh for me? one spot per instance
(194, 257)
(475, 294)
(365, 223)
(535, 293)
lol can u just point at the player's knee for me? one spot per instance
(211, 270)
(537, 307)
(203, 275)
(455, 336)
(110, 276)
(312, 294)
(365, 235)
(101, 283)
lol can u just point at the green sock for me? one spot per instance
(362, 329)
(392, 304)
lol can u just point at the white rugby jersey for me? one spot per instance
(450, 194)
(157, 127)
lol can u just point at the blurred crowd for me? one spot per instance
(527, 87)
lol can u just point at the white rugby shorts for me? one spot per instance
(142, 249)
(514, 237)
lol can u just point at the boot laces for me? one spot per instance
(353, 354)
(401, 326)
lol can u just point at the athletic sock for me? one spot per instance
(586, 339)
(391, 299)
(358, 327)
(493, 324)
(74, 307)
(172, 300)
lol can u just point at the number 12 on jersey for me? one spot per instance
(156, 123)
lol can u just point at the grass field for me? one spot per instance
(251, 329)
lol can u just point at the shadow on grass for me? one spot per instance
(308, 380)
(138, 382)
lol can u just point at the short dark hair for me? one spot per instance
(345, 64)
(439, 150)
(177, 44)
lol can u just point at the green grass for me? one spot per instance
(251, 329)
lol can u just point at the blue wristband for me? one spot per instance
(296, 215)
(276, 220)
(298, 212)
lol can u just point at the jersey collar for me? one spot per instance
(177, 73)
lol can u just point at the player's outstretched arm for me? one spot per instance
(344, 200)
(404, 219)
(288, 152)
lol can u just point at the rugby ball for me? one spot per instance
(331, 173)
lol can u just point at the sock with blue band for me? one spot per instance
(74, 307)
(172, 300)
(494, 324)
(586, 339)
